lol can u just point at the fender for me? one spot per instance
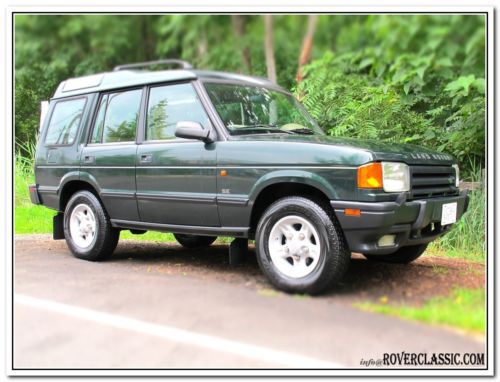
(90, 179)
(70, 176)
(292, 176)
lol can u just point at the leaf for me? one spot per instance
(444, 62)
(479, 85)
(429, 134)
(399, 76)
(380, 69)
(406, 88)
(421, 71)
(461, 85)
(365, 63)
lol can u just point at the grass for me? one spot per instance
(29, 218)
(463, 309)
(467, 238)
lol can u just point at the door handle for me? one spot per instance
(88, 159)
(146, 158)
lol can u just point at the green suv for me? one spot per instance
(205, 154)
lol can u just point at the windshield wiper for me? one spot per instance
(260, 128)
(304, 131)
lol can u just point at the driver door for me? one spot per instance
(176, 177)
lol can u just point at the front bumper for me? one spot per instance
(412, 222)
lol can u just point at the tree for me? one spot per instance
(305, 52)
(239, 28)
(269, 48)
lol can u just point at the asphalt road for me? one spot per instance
(160, 306)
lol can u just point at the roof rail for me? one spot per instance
(182, 64)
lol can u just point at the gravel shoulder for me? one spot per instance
(365, 280)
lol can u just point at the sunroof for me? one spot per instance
(82, 82)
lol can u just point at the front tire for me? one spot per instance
(87, 228)
(194, 241)
(300, 246)
(403, 255)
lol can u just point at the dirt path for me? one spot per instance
(366, 280)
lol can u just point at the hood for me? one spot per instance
(380, 150)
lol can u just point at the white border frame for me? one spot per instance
(258, 7)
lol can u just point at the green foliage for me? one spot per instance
(463, 309)
(28, 217)
(50, 49)
(432, 66)
(467, 237)
(415, 78)
(356, 105)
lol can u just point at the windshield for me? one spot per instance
(257, 110)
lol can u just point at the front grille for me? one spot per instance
(432, 181)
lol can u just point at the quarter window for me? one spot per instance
(117, 117)
(170, 104)
(65, 121)
(99, 122)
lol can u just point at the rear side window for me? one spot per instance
(117, 117)
(65, 121)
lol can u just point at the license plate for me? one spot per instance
(448, 213)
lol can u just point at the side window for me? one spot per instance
(170, 104)
(65, 121)
(117, 117)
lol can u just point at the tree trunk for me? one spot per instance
(307, 43)
(239, 28)
(269, 49)
(147, 43)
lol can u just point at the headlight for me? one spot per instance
(457, 175)
(391, 176)
(396, 177)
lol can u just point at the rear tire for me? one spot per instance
(87, 228)
(194, 241)
(403, 255)
(300, 246)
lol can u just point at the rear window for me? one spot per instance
(65, 121)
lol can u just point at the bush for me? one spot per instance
(353, 105)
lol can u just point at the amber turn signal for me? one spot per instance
(370, 176)
(352, 212)
(223, 173)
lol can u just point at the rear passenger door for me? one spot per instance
(108, 160)
(176, 178)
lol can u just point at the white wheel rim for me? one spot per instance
(294, 246)
(82, 226)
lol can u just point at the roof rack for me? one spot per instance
(182, 64)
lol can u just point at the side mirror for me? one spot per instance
(193, 130)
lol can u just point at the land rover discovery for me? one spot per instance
(205, 154)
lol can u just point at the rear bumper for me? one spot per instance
(34, 194)
(412, 222)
